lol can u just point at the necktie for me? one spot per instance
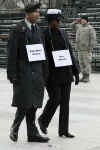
(32, 28)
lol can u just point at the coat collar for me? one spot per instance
(60, 30)
(27, 32)
(28, 24)
(63, 35)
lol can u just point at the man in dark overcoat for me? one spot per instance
(60, 76)
(26, 74)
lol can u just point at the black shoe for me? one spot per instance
(67, 135)
(85, 80)
(38, 138)
(42, 127)
(13, 136)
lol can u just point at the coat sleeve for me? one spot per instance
(75, 26)
(12, 55)
(45, 63)
(92, 38)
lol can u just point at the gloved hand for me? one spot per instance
(76, 79)
(14, 81)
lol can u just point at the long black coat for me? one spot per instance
(30, 87)
(58, 40)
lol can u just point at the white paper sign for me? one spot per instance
(35, 52)
(62, 58)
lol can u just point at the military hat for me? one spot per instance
(53, 14)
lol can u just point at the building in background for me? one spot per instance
(12, 4)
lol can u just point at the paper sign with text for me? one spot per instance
(35, 52)
(62, 58)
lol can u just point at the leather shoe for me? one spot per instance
(38, 138)
(42, 127)
(13, 136)
(67, 135)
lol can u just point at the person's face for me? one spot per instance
(83, 21)
(33, 16)
(55, 23)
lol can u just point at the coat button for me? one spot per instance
(32, 73)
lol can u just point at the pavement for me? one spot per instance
(84, 119)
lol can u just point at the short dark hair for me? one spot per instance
(32, 7)
(84, 17)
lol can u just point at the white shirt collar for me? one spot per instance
(28, 24)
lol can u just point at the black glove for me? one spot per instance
(14, 81)
(76, 79)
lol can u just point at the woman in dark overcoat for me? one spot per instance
(60, 77)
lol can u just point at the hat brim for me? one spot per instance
(51, 17)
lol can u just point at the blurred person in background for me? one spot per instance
(85, 42)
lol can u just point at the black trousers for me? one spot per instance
(30, 120)
(58, 96)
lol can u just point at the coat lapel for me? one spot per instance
(28, 33)
(64, 37)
